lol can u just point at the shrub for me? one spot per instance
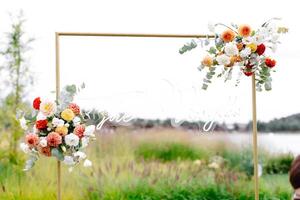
(241, 159)
(279, 164)
(169, 152)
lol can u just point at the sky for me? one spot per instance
(147, 77)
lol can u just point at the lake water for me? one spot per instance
(275, 143)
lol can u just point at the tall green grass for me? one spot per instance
(144, 167)
(167, 151)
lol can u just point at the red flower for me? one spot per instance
(248, 66)
(36, 103)
(75, 108)
(32, 139)
(46, 151)
(54, 139)
(260, 49)
(248, 73)
(79, 130)
(41, 124)
(270, 62)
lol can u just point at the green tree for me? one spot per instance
(15, 74)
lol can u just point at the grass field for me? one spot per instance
(148, 165)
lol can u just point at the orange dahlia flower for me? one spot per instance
(244, 30)
(228, 35)
(46, 151)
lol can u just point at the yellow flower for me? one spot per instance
(252, 46)
(61, 130)
(68, 114)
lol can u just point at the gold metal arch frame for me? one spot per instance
(86, 34)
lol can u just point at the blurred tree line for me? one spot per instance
(15, 79)
(285, 124)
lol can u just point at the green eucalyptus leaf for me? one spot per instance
(206, 81)
(268, 86)
(71, 89)
(212, 50)
(30, 162)
(58, 154)
(188, 47)
(212, 69)
(200, 68)
(208, 76)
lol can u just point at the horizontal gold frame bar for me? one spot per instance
(134, 35)
(254, 121)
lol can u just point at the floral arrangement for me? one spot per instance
(57, 130)
(240, 46)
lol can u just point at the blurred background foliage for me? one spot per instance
(16, 79)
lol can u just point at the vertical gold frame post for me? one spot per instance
(57, 91)
(72, 34)
(254, 135)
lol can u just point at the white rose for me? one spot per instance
(76, 121)
(23, 123)
(84, 142)
(57, 122)
(245, 52)
(72, 139)
(69, 160)
(231, 49)
(87, 163)
(223, 60)
(43, 142)
(250, 40)
(24, 147)
(89, 131)
(81, 155)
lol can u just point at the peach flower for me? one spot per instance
(207, 61)
(61, 130)
(32, 139)
(48, 108)
(54, 139)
